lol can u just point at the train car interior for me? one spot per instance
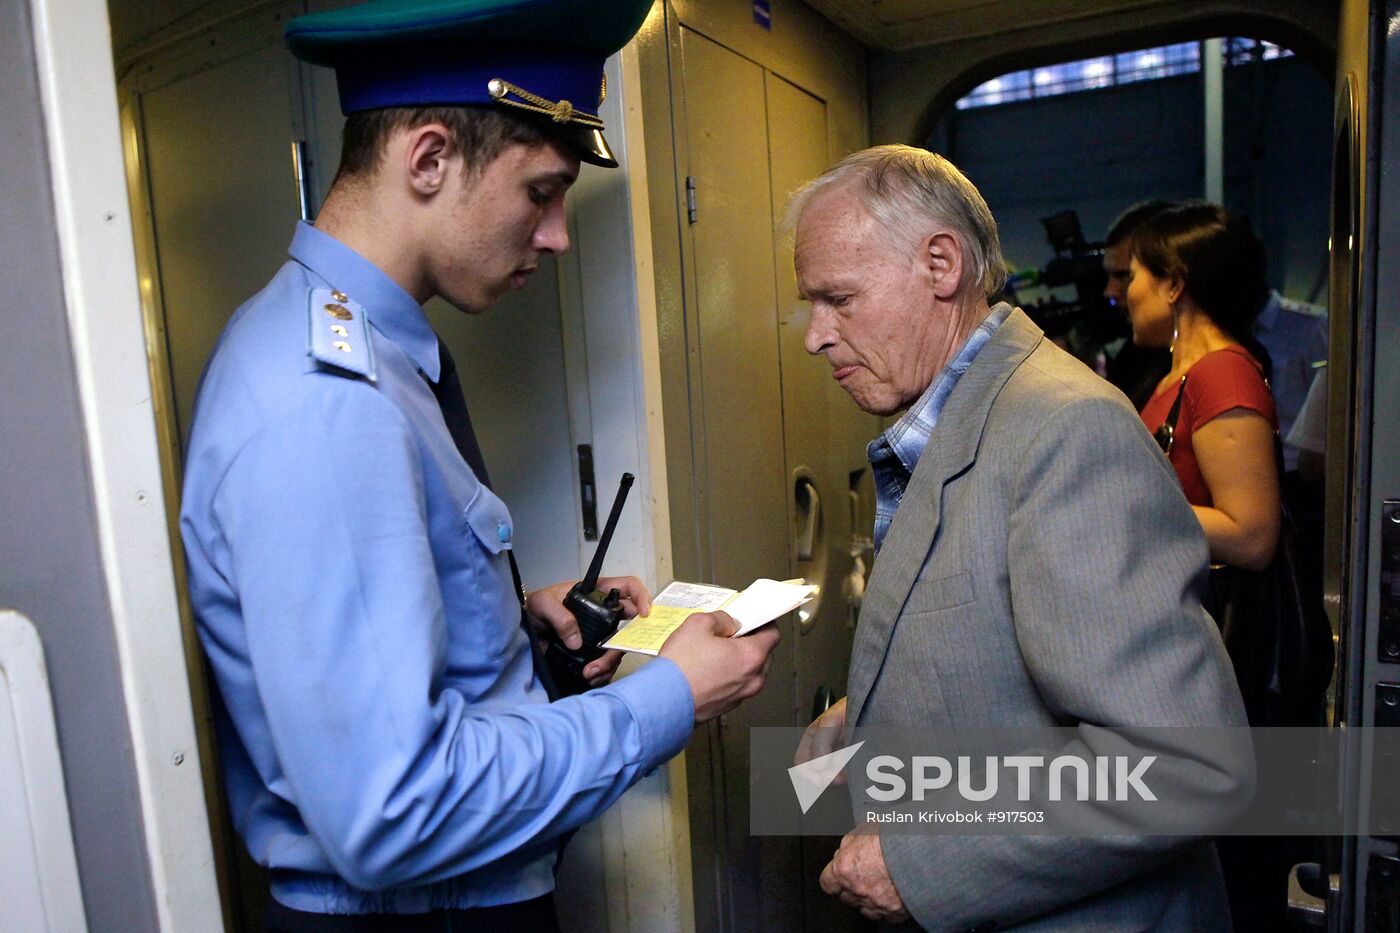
(161, 152)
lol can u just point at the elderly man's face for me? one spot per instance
(874, 309)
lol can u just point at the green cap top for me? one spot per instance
(540, 57)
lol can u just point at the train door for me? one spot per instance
(779, 451)
(1357, 887)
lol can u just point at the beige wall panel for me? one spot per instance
(818, 446)
(742, 430)
(742, 413)
(804, 47)
(719, 305)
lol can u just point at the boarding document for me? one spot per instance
(761, 603)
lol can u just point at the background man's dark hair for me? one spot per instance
(1129, 221)
(479, 133)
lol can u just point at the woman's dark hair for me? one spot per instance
(1220, 262)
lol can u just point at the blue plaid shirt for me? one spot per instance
(894, 454)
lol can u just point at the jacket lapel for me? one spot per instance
(952, 448)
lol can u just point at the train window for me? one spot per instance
(1111, 70)
(1096, 135)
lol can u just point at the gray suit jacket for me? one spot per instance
(1044, 569)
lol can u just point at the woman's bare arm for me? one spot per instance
(1235, 451)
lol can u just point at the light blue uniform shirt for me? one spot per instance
(1295, 334)
(385, 742)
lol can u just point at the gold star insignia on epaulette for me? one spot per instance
(343, 341)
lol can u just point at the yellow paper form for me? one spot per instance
(648, 633)
(762, 602)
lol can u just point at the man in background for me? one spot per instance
(1134, 370)
(1295, 334)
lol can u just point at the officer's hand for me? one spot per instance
(546, 613)
(722, 671)
(822, 735)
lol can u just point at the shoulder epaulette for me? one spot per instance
(339, 332)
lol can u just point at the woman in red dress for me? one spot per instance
(1197, 286)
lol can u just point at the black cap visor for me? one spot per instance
(586, 141)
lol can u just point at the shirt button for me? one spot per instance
(503, 532)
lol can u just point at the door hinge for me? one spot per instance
(690, 209)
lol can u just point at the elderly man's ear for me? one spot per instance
(945, 264)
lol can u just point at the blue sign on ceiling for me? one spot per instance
(763, 13)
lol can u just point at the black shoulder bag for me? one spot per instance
(1279, 642)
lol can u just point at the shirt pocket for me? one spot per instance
(941, 593)
(495, 611)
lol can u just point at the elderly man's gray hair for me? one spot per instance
(909, 191)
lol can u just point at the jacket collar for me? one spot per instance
(389, 308)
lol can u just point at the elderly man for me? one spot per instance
(1037, 564)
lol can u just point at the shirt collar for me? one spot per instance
(908, 436)
(389, 308)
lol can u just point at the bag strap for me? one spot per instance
(1166, 431)
(1175, 413)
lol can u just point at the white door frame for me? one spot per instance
(646, 838)
(72, 44)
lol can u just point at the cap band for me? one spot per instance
(452, 76)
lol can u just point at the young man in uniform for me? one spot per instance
(387, 741)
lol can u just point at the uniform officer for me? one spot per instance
(387, 742)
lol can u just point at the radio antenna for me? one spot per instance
(595, 569)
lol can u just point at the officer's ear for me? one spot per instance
(429, 158)
(942, 253)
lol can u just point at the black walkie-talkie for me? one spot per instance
(598, 614)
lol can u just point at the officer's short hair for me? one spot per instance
(907, 191)
(479, 133)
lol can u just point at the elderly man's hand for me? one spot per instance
(822, 735)
(857, 875)
(546, 613)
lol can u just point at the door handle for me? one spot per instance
(302, 178)
(1304, 907)
(806, 541)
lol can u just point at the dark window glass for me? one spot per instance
(1110, 70)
